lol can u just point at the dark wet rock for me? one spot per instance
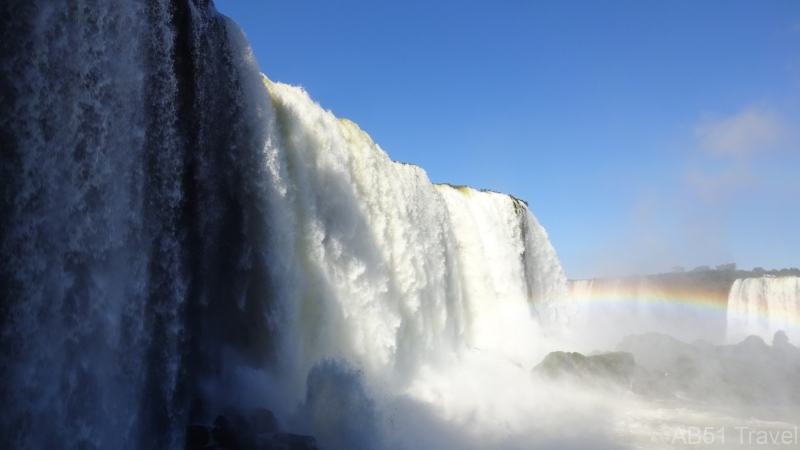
(226, 437)
(222, 422)
(296, 441)
(247, 441)
(670, 366)
(754, 344)
(264, 441)
(272, 445)
(197, 436)
(232, 431)
(616, 368)
(779, 339)
(264, 421)
(237, 418)
(748, 373)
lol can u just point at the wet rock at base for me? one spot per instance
(615, 368)
(264, 421)
(296, 441)
(222, 422)
(197, 436)
(225, 434)
(748, 373)
(231, 431)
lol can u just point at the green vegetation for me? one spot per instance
(730, 271)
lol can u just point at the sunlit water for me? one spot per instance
(181, 234)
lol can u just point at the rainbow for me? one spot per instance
(728, 309)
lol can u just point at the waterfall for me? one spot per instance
(387, 269)
(133, 234)
(180, 234)
(761, 306)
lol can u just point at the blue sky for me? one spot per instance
(643, 134)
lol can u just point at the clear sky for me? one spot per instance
(643, 134)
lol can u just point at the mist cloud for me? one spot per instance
(748, 132)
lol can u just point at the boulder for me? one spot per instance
(222, 422)
(780, 339)
(296, 441)
(197, 436)
(226, 437)
(225, 434)
(616, 367)
(231, 431)
(658, 352)
(263, 421)
(748, 373)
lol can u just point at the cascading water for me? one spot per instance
(180, 234)
(133, 237)
(387, 270)
(762, 306)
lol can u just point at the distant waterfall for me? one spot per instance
(762, 306)
(709, 305)
(688, 306)
(180, 234)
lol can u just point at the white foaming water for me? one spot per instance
(408, 314)
(388, 271)
(440, 296)
(762, 306)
